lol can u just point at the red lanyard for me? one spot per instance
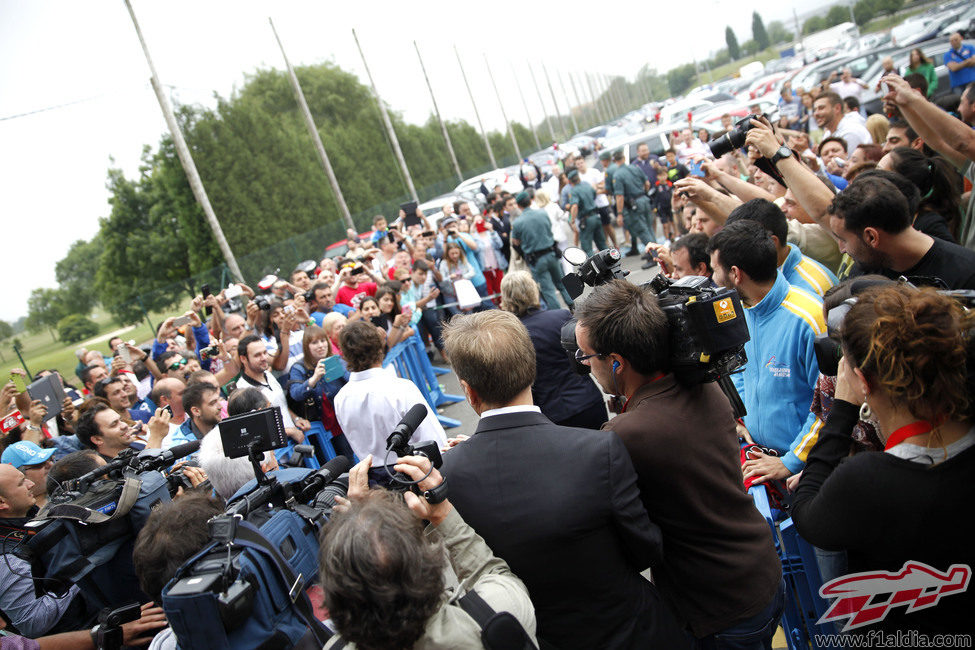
(907, 431)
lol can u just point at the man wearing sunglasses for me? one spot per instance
(720, 573)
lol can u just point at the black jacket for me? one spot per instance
(561, 506)
(557, 390)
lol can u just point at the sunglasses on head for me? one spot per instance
(176, 365)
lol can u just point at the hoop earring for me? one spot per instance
(865, 412)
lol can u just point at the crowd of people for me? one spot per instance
(828, 227)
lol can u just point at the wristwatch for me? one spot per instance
(783, 152)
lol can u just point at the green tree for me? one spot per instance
(837, 15)
(75, 273)
(777, 32)
(750, 47)
(45, 307)
(681, 78)
(729, 37)
(814, 24)
(864, 11)
(6, 330)
(889, 7)
(75, 327)
(758, 31)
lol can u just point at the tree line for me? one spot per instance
(265, 182)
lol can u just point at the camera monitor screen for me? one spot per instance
(258, 430)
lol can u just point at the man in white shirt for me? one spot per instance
(597, 179)
(689, 147)
(828, 109)
(253, 358)
(370, 406)
(847, 86)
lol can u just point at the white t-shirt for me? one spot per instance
(370, 406)
(846, 89)
(851, 130)
(274, 393)
(594, 177)
(687, 151)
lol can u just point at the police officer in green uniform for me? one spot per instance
(630, 187)
(532, 232)
(585, 218)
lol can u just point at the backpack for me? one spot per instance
(265, 606)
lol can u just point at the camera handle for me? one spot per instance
(256, 457)
(107, 635)
(728, 388)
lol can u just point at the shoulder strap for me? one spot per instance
(249, 536)
(498, 629)
(127, 498)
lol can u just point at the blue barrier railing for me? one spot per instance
(409, 357)
(803, 605)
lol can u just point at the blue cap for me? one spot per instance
(24, 453)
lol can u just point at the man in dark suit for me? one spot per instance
(564, 397)
(559, 504)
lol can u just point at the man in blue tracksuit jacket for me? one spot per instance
(778, 381)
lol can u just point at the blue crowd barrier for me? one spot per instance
(409, 358)
(803, 605)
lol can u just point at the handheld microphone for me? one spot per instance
(151, 459)
(313, 484)
(401, 435)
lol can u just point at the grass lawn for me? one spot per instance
(41, 351)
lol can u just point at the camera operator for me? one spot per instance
(34, 462)
(720, 572)
(102, 429)
(19, 606)
(174, 533)
(382, 570)
(777, 384)
(687, 257)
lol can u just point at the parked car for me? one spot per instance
(871, 99)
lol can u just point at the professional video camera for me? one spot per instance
(85, 534)
(246, 589)
(706, 323)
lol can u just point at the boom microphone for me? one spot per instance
(401, 435)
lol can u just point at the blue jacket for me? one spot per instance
(202, 336)
(299, 391)
(778, 381)
(806, 273)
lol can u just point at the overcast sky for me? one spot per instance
(82, 61)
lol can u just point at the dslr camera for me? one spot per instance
(733, 139)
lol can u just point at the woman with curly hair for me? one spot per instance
(907, 358)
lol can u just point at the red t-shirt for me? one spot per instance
(351, 296)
